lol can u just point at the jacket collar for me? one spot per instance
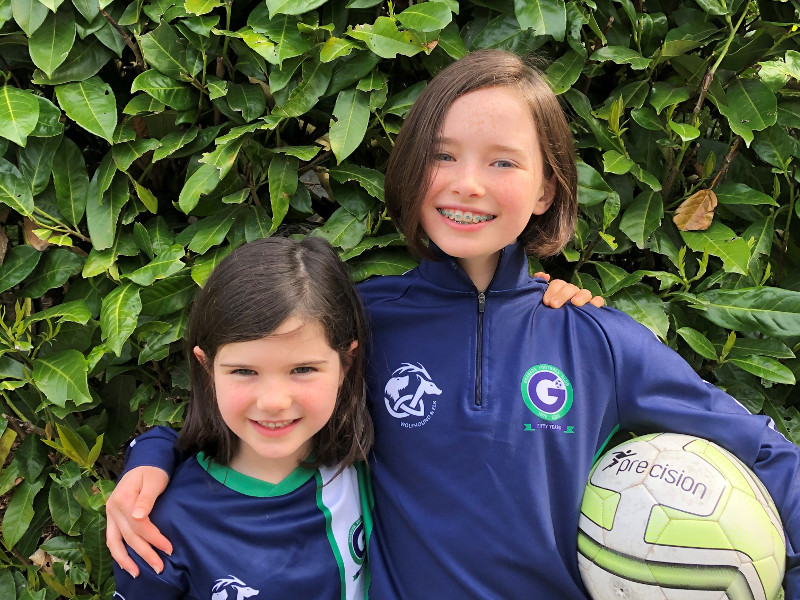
(511, 272)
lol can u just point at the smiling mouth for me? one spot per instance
(464, 217)
(276, 424)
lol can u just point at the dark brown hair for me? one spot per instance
(409, 171)
(247, 297)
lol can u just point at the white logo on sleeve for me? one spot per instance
(405, 394)
(238, 589)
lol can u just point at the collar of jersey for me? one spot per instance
(250, 486)
(511, 273)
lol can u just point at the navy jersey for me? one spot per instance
(237, 537)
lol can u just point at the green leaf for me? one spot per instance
(57, 266)
(125, 153)
(565, 70)
(647, 118)
(51, 43)
(304, 153)
(71, 181)
(698, 342)
(592, 188)
(19, 262)
(204, 265)
(614, 162)
(427, 16)
(64, 509)
(211, 232)
(19, 112)
(349, 123)
(203, 181)
(789, 113)
(762, 346)
(14, 190)
(752, 103)
(686, 132)
(91, 104)
(84, 61)
(173, 141)
(771, 311)
(642, 217)
(119, 314)
(776, 147)
(289, 42)
(94, 545)
(36, 161)
(342, 230)
(168, 295)
(201, 7)
(643, 305)
(334, 48)
(102, 213)
(402, 102)
(62, 377)
(739, 193)
(316, 77)
(293, 7)
(75, 311)
(283, 181)
(451, 42)
(545, 17)
(621, 56)
(170, 55)
(765, 368)
(29, 14)
(369, 179)
(19, 513)
(385, 40)
(719, 240)
(179, 96)
(164, 265)
(388, 261)
(49, 123)
(663, 95)
(247, 99)
(615, 278)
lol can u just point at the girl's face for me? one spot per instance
(275, 394)
(487, 180)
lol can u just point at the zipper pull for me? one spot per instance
(481, 302)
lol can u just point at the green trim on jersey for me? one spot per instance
(604, 444)
(256, 488)
(367, 506)
(331, 538)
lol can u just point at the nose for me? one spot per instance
(467, 181)
(273, 397)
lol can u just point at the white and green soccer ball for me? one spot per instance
(675, 517)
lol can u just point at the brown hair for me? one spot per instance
(247, 297)
(409, 171)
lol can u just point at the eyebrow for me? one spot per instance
(297, 364)
(443, 141)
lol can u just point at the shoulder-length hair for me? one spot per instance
(410, 167)
(247, 297)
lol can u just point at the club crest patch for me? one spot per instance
(547, 392)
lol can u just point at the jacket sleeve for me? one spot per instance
(659, 391)
(147, 586)
(155, 448)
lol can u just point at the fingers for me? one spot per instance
(542, 275)
(117, 549)
(153, 483)
(598, 301)
(558, 292)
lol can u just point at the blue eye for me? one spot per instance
(243, 372)
(303, 370)
(504, 164)
(443, 156)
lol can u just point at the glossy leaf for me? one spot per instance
(51, 43)
(14, 190)
(765, 368)
(427, 16)
(545, 17)
(385, 40)
(771, 311)
(719, 240)
(211, 232)
(175, 94)
(349, 123)
(102, 213)
(62, 377)
(29, 14)
(369, 179)
(202, 181)
(36, 161)
(163, 265)
(166, 52)
(565, 70)
(739, 193)
(91, 104)
(19, 512)
(71, 181)
(55, 268)
(19, 111)
(292, 7)
(19, 262)
(698, 342)
(316, 77)
(643, 305)
(118, 316)
(283, 181)
(642, 217)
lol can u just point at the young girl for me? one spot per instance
(271, 504)
(490, 409)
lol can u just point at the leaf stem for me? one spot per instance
(128, 41)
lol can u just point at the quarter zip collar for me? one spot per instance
(511, 272)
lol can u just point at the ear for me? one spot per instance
(347, 360)
(545, 201)
(201, 358)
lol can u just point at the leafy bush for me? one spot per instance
(140, 142)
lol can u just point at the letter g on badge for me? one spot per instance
(547, 392)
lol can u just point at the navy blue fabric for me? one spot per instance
(276, 546)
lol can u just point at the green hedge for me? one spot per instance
(140, 142)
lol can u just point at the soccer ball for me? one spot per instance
(675, 517)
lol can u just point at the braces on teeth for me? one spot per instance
(464, 218)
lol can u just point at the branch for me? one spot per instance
(727, 162)
(128, 41)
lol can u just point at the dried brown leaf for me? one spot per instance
(33, 239)
(696, 212)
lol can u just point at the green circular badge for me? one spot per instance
(547, 392)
